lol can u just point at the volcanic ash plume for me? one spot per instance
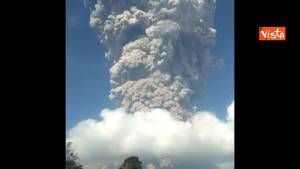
(159, 50)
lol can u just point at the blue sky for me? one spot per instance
(87, 70)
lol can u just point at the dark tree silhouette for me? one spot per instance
(132, 163)
(71, 158)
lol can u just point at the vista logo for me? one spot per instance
(272, 33)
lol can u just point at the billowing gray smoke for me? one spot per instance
(159, 50)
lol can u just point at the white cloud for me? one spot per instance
(201, 140)
(230, 111)
(227, 165)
